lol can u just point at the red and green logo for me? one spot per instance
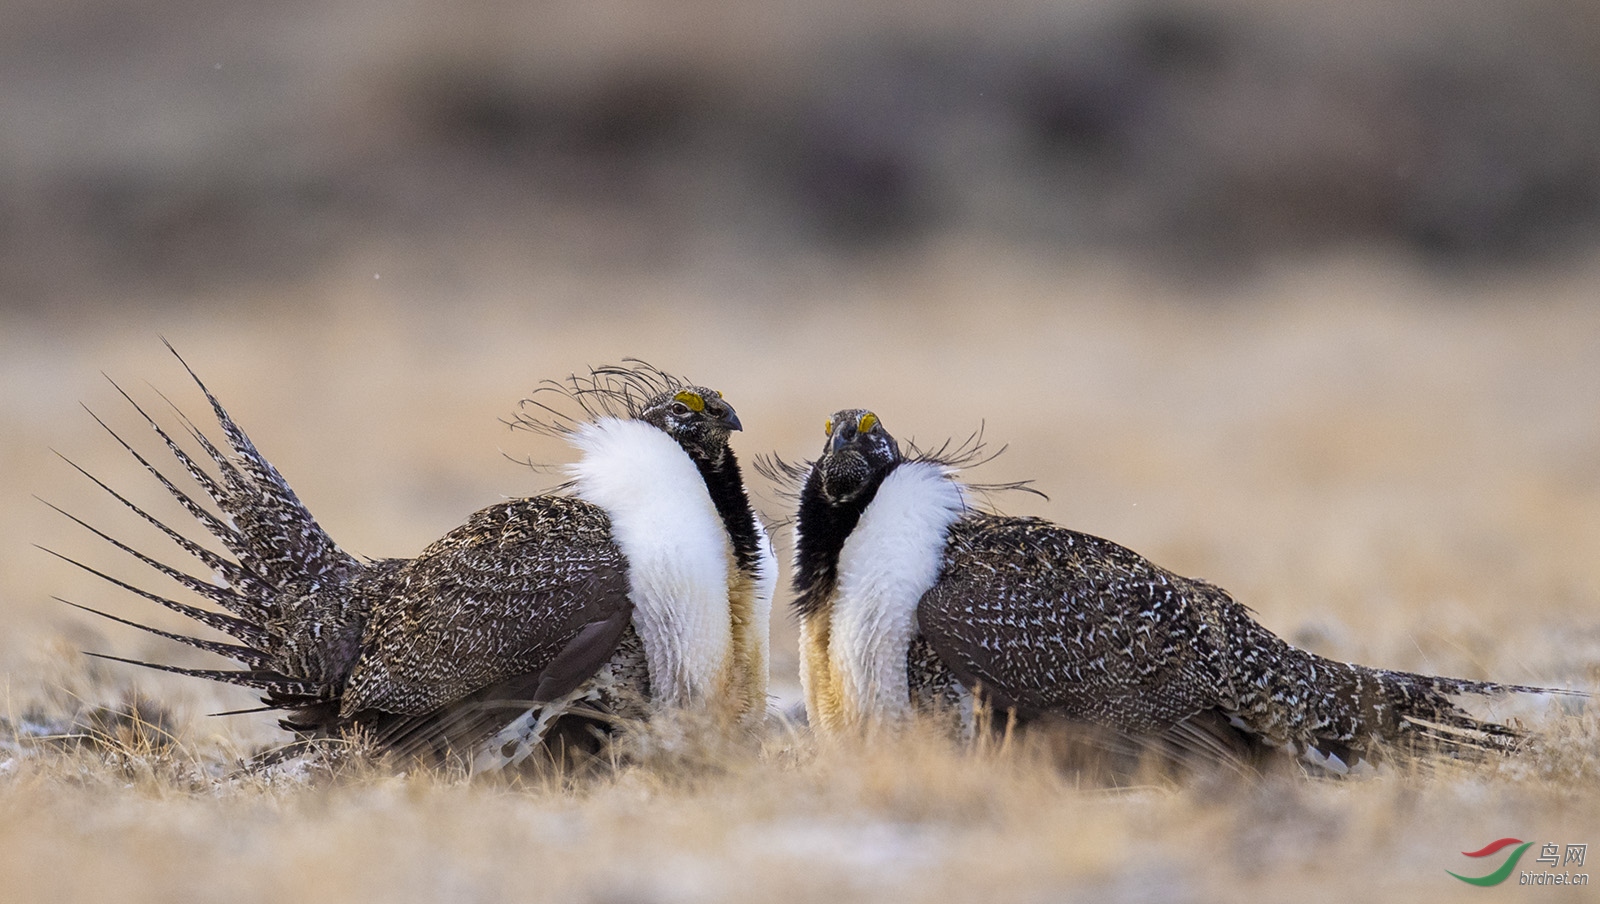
(1506, 868)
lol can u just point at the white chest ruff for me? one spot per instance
(889, 561)
(679, 556)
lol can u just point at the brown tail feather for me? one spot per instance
(1336, 714)
(230, 571)
(237, 628)
(246, 655)
(280, 557)
(260, 679)
(289, 544)
(223, 597)
(210, 522)
(1425, 716)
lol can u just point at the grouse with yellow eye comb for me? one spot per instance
(909, 597)
(645, 582)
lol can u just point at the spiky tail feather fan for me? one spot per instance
(1336, 714)
(284, 593)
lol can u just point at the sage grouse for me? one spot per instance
(908, 597)
(645, 582)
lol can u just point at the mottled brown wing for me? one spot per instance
(529, 595)
(1051, 621)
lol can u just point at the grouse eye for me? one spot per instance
(687, 401)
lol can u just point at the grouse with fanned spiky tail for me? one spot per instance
(908, 596)
(645, 582)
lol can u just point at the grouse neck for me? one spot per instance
(821, 528)
(677, 546)
(750, 587)
(886, 564)
(725, 484)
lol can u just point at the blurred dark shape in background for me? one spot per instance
(182, 147)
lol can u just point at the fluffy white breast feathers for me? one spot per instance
(890, 560)
(678, 551)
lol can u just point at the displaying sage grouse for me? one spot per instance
(645, 582)
(908, 597)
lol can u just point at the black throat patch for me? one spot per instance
(823, 527)
(725, 483)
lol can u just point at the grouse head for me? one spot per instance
(699, 419)
(858, 455)
(839, 486)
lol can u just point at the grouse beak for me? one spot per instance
(730, 420)
(843, 436)
(847, 434)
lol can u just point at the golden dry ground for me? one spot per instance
(1390, 467)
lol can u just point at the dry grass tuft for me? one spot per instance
(682, 809)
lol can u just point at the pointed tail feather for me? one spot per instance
(251, 633)
(230, 537)
(219, 594)
(1337, 715)
(288, 543)
(261, 679)
(249, 656)
(231, 573)
(286, 590)
(1411, 713)
(1425, 714)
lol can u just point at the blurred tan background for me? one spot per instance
(1299, 298)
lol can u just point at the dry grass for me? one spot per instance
(906, 818)
(1387, 468)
